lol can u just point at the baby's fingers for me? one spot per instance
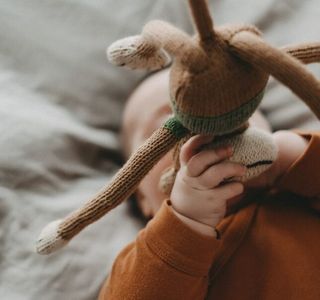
(200, 162)
(229, 190)
(216, 174)
(192, 146)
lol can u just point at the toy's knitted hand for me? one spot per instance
(135, 52)
(199, 192)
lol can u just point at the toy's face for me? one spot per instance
(221, 96)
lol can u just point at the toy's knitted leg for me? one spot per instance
(279, 64)
(308, 52)
(58, 233)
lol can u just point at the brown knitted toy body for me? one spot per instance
(217, 81)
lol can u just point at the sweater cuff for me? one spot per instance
(178, 245)
(302, 177)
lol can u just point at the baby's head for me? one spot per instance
(147, 108)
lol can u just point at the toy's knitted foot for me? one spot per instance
(167, 180)
(254, 148)
(49, 239)
(136, 53)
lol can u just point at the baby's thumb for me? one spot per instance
(193, 146)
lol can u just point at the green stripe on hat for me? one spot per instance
(222, 124)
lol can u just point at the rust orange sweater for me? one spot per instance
(270, 249)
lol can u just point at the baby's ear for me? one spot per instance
(137, 53)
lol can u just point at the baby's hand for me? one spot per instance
(199, 195)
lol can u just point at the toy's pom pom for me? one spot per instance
(49, 239)
(167, 180)
(136, 53)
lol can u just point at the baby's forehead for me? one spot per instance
(148, 97)
(155, 86)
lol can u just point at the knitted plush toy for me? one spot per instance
(217, 81)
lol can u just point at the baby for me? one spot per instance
(252, 240)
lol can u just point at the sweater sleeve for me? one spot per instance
(302, 177)
(168, 260)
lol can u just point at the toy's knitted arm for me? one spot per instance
(149, 50)
(307, 52)
(56, 234)
(279, 64)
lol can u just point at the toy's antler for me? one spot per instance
(202, 19)
(281, 65)
(56, 234)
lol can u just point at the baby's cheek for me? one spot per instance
(149, 186)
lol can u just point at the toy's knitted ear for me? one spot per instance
(150, 49)
(281, 65)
